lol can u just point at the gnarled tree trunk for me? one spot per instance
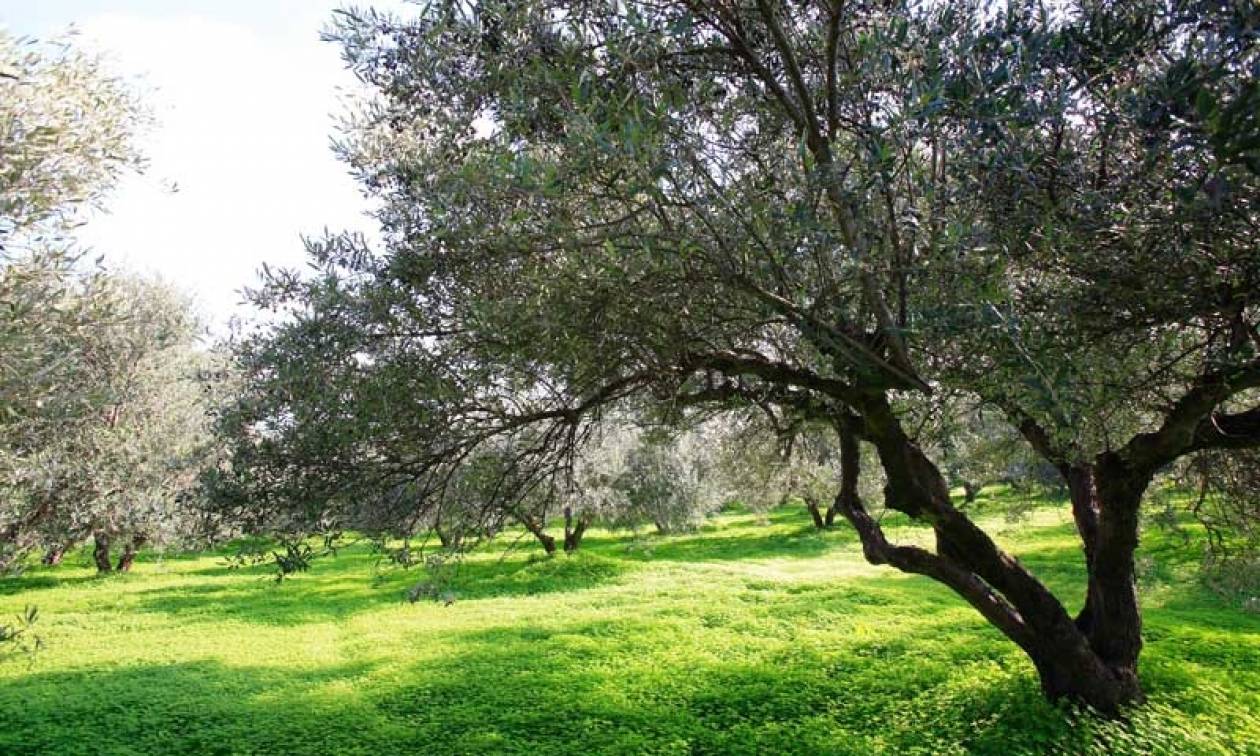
(128, 556)
(100, 551)
(1095, 665)
(1111, 617)
(574, 529)
(536, 528)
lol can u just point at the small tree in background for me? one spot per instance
(67, 132)
(112, 454)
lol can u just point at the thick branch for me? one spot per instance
(878, 550)
(1189, 425)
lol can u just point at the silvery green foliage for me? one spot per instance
(67, 130)
(828, 212)
(113, 446)
(67, 126)
(630, 472)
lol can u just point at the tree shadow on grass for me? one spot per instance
(881, 664)
(344, 585)
(33, 582)
(932, 678)
(608, 686)
(613, 687)
(201, 707)
(790, 537)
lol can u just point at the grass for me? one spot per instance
(748, 637)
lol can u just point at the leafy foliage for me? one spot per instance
(67, 130)
(17, 639)
(114, 451)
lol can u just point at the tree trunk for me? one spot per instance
(1097, 667)
(1111, 618)
(850, 472)
(573, 532)
(100, 552)
(54, 555)
(815, 512)
(970, 491)
(448, 539)
(128, 556)
(1083, 491)
(536, 528)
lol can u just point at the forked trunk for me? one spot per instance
(536, 528)
(1091, 659)
(815, 512)
(128, 556)
(573, 531)
(100, 552)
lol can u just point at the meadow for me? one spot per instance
(755, 635)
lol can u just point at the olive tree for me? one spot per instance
(836, 211)
(112, 453)
(67, 132)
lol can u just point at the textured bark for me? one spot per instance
(54, 555)
(128, 556)
(100, 552)
(536, 528)
(1114, 622)
(850, 473)
(1097, 668)
(574, 529)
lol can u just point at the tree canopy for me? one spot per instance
(835, 215)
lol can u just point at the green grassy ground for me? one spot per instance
(749, 637)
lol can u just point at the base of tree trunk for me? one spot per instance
(129, 553)
(1107, 690)
(572, 532)
(815, 512)
(100, 553)
(54, 556)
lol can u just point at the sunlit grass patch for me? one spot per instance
(754, 635)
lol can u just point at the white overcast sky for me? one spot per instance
(244, 93)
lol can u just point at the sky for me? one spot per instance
(240, 168)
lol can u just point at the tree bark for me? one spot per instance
(970, 490)
(54, 555)
(128, 556)
(536, 528)
(100, 552)
(1083, 491)
(573, 532)
(1096, 668)
(850, 473)
(815, 512)
(1111, 617)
